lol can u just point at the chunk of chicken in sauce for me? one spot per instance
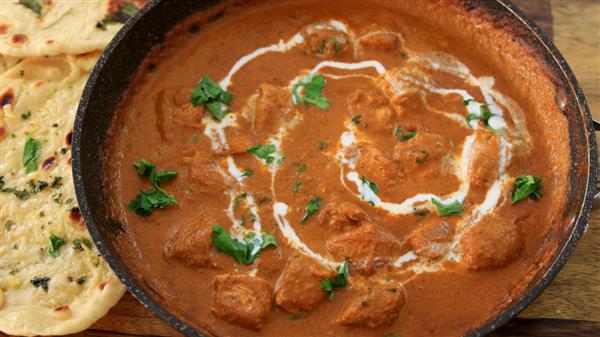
(483, 169)
(270, 107)
(299, 287)
(203, 172)
(371, 106)
(368, 247)
(491, 243)
(191, 245)
(242, 299)
(432, 239)
(326, 41)
(426, 153)
(374, 165)
(342, 215)
(174, 110)
(374, 306)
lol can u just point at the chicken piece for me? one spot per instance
(380, 41)
(483, 168)
(491, 243)
(204, 172)
(191, 245)
(423, 151)
(374, 306)
(299, 287)
(239, 141)
(367, 247)
(174, 109)
(242, 299)
(432, 239)
(326, 41)
(342, 215)
(372, 107)
(374, 165)
(271, 105)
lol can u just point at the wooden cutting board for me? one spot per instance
(570, 306)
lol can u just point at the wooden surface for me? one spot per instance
(570, 306)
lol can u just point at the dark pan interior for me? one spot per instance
(117, 65)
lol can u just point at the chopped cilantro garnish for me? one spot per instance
(452, 208)
(243, 251)
(265, 152)
(484, 115)
(312, 87)
(209, 93)
(297, 186)
(371, 184)
(33, 5)
(403, 136)
(9, 224)
(55, 243)
(299, 167)
(238, 198)
(467, 101)
(31, 153)
(311, 208)
(41, 282)
(147, 201)
(247, 173)
(340, 281)
(127, 10)
(526, 186)
(77, 244)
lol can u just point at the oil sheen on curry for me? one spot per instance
(333, 169)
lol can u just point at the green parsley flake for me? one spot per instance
(55, 243)
(31, 153)
(265, 152)
(33, 5)
(243, 251)
(311, 208)
(312, 87)
(403, 136)
(453, 208)
(526, 186)
(209, 93)
(371, 184)
(330, 285)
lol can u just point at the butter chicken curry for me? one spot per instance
(338, 169)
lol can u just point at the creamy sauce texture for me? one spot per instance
(412, 125)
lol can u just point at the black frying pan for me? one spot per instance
(120, 61)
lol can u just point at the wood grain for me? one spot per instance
(570, 306)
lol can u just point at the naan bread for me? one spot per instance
(46, 288)
(7, 62)
(40, 27)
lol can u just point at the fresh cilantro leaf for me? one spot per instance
(159, 177)
(468, 101)
(484, 115)
(311, 208)
(526, 186)
(125, 12)
(9, 224)
(238, 198)
(209, 93)
(247, 173)
(452, 208)
(148, 201)
(245, 251)
(41, 282)
(299, 167)
(33, 5)
(31, 153)
(144, 168)
(340, 281)
(55, 243)
(312, 87)
(264, 152)
(371, 184)
(297, 186)
(403, 136)
(21, 194)
(77, 244)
